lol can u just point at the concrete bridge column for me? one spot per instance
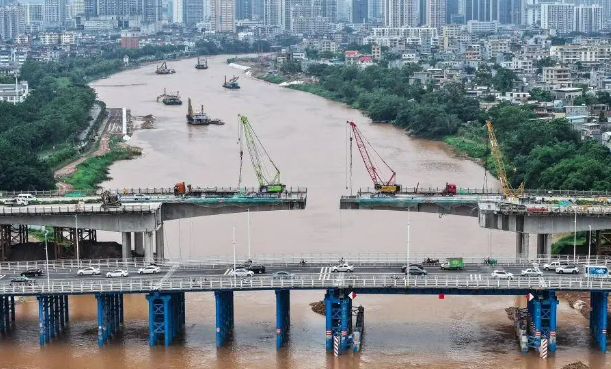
(159, 244)
(139, 243)
(148, 246)
(544, 245)
(126, 250)
(522, 245)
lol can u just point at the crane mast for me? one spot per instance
(267, 173)
(384, 186)
(500, 166)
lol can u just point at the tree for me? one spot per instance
(544, 62)
(541, 95)
(291, 67)
(483, 76)
(503, 80)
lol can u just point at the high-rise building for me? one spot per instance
(401, 13)
(243, 9)
(54, 13)
(436, 13)
(376, 11)
(178, 11)
(12, 21)
(193, 12)
(151, 11)
(422, 12)
(559, 17)
(360, 11)
(588, 19)
(222, 14)
(452, 10)
(78, 7)
(33, 13)
(273, 14)
(91, 8)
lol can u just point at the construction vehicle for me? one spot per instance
(200, 118)
(508, 191)
(163, 69)
(185, 190)
(448, 190)
(232, 84)
(453, 264)
(110, 200)
(267, 173)
(201, 63)
(169, 98)
(383, 186)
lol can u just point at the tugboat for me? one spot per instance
(163, 69)
(201, 64)
(232, 84)
(200, 118)
(169, 99)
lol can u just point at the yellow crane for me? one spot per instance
(500, 166)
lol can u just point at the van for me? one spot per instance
(26, 196)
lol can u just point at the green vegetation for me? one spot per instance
(272, 78)
(95, 169)
(566, 243)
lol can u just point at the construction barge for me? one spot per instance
(201, 64)
(200, 118)
(169, 98)
(163, 69)
(232, 84)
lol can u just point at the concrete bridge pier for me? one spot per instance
(166, 316)
(126, 246)
(159, 244)
(148, 246)
(598, 317)
(110, 315)
(522, 245)
(544, 245)
(52, 316)
(7, 313)
(139, 243)
(224, 317)
(283, 316)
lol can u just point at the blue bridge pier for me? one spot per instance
(339, 327)
(7, 313)
(53, 316)
(166, 316)
(110, 315)
(598, 317)
(283, 316)
(224, 317)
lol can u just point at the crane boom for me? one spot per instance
(497, 155)
(267, 173)
(386, 186)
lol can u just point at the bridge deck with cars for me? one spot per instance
(373, 274)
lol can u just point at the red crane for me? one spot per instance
(384, 186)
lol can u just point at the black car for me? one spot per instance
(416, 271)
(255, 268)
(35, 272)
(412, 265)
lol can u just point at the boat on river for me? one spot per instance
(200, 118)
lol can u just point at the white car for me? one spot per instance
(567, 269)
(88, 271)
(531, 272)
(117, 273)
(241, 272)
(501, 274)
(345, 267)
(554, 264)
(149, 269)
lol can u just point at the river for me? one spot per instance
(306, 137)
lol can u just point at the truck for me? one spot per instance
(596, 271)
(453, 264)
(448, 190)
(186, 190)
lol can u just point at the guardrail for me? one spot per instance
(488, 191)
(76, 209)
(312, 260)
(311, 281)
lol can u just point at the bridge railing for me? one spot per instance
(311, 281)
(491, 191)
(77, 208)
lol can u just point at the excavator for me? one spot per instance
(383, 186)
(267, 173)
(497, 155)
(110, 200)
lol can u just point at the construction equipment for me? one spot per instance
(268, 174)
(384, 186)
(448, 190)
(163, 69)
(110, 200)
(497, 155)
(201, 64)
(185, 190)
(232, 84)
(200, 118)
(169, 98)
